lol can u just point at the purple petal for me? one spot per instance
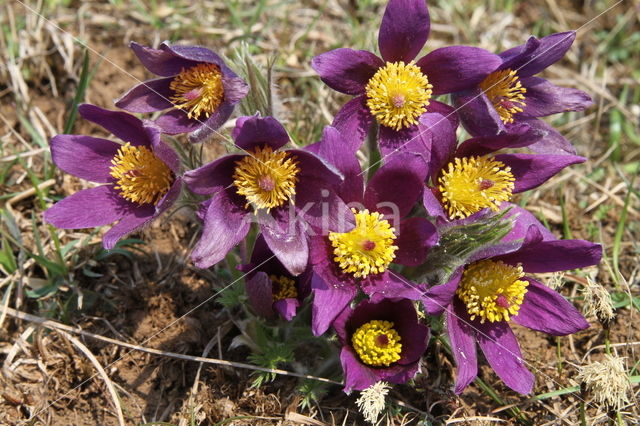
(457, 68)
(546, 310)
(287, 307)
(357, 375)
(415, 140)
(328, 302)
(390, 284)
(549, 50)
(416, 236)
(161, 150)
(446, 111)
(193, 53)
(543, 98)
(84, 156)
(148, 96)
(235, 89)
(170, 197)
(252, 132)
(210, 126)
(553, 256)
(353, 121)
(285, 235)
(478, 115)
(176, 121)
(122, 125)
(444, 140)
(463, 345)
(259, 290)
(225, 225)
(404, 30)
(546, 139)
(89, 208)
(213, 177)
(502, 351)
(488, 144)
(346, 70)
(532, 170)
(134, 220)
(523, 221)
(319, 206)
(432, 203)
(438, 297)
(161, 62)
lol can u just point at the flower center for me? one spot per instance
(366, 249)
(266, 178)
(377, 343)
(283, 287)
(398, 94)
(506, 93)
(492, 290)
(140, 176)
(198, 90)
(472, 183)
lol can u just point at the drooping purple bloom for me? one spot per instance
(381, 341)
(282, 190)
(474, 175)
(393, 89)
(141, 178)
(270, 287)
(495, 287)
(511, 97)
(384, 233)
(196, 87)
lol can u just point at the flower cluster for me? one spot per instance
(354, 247)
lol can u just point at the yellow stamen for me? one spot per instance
(470, 184)
(377, 343)
(266, 178)
(141, 176)
(492, 290)
(198, 90)
(506, 93)
(283, 287)
(398, 94)
(368, 248)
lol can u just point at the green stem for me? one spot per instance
(374, 153)
(559, 354)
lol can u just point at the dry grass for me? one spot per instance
(51, 378)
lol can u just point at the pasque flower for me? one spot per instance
(495, 287)
(380, 341)
(396, 90)
(475, 176)
(270, 287)
(196, 87)
(141, 177)
(282, 190)
(343, 263)
(511, 97)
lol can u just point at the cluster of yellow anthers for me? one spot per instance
(398, 94)
(366, 249)
(266, 178)
(198, 90)
(377, 343)
(506, 93)
(140, 176)
(492, 290)
(283, 287)
(470, 184)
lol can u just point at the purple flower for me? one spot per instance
(141, 177)
(472, 176)
(261, 185)
(380, 341)
(271, 287)
(196, 86)
(511, 97)
(495, 288)
(345, 262)
(396, 91)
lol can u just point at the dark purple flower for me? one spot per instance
(141, 177)
(195, 85)
(472, 177)
(381, 341)
(495, 288)
(345, 262)
(511, 98)
(271, 287)
(395, 90)
(282, 190)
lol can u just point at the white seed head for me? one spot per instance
(607, 381)
(556, 281)
(372, 401)
(597, 301)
